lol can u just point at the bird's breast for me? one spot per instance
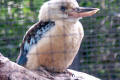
(57, 49)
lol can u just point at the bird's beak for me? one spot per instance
(82, 12)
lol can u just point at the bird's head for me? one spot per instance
(68, 10)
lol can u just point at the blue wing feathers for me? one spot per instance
(31, 38)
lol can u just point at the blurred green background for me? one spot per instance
(99, 54)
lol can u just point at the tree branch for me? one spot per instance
(12, 71)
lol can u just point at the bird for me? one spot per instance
(54, 41)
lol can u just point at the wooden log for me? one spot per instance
(12, 71)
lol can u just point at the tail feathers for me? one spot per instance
(22, 59)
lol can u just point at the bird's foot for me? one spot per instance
(48, 75)
(68, 72)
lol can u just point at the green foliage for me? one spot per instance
(16, 16)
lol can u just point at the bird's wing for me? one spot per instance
(33, 35)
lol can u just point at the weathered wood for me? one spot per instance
(12, 71)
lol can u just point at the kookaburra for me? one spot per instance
(53, 42)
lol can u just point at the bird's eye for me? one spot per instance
(63, 8)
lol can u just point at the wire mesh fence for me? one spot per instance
(99, 54)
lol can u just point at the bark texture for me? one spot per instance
(12, 71)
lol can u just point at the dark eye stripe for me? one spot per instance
(63, 8)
